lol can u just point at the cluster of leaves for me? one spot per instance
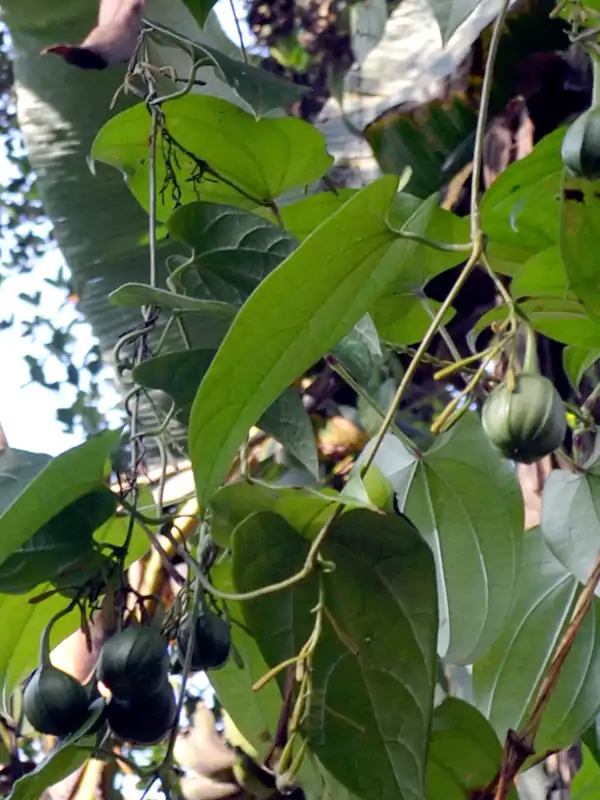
(421, 560)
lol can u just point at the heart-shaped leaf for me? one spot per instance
(252, 157)
(374, 666)
(467, 503)
(507, 679)
(233, 249)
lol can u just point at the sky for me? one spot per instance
(28, 410)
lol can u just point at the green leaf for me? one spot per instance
(68, 756)
(577, 361)
(134, 295)
(255, 714)
(466, 502)
(252, 155)
(27, 503)
(54, 768)
(541, 275)
(506, 680)
(179, 375)
(521, 207)
(306, 510)
(586, 783)
(562, 320)
(360, 351)
(260, 90)
(373, 676)
(233, 249)
(579, 241)
(464, 752)
(571, 520)
(297, 314)
(403, 319)
(59, 546)
(22, 625)
(200, 9)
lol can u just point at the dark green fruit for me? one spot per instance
(528, 423)
(211, 641)
(581, 145)
(54, 702)
(143, 720)
(134, 662)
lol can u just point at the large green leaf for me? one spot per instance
(579, 240)
(253, 155)
(179, 375)
(233, 249)
(571, 520)
(295, 316)
(464, 752)
(26, 504)
(521, 207)
(506, 680)
(60, 546)
(373, 675)
(466, 501)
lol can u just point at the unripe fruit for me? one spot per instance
(211, 642)
(528, 423)
(143, 720)
(134, 662)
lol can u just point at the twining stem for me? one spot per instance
(421, 349)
